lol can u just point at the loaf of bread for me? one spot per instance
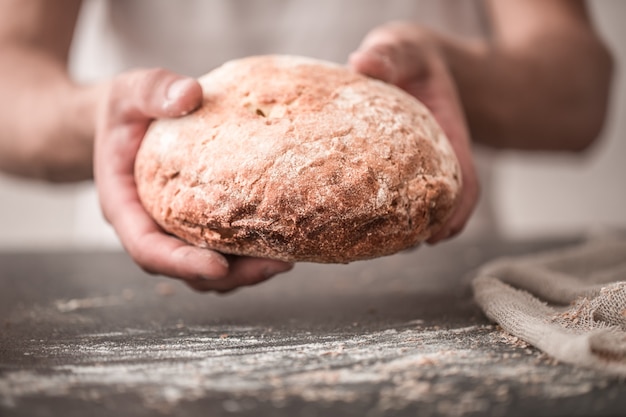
(296, 159)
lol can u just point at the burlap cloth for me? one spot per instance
(570, 303)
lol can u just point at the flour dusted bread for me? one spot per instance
(299, 160)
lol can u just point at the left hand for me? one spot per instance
(128, 103)
(408, 56)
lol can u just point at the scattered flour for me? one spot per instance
(394, 368)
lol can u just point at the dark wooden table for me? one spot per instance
(90, 334)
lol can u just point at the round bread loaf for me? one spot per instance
(299, 160)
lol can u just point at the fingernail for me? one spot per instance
(174, 104)
(177, 89)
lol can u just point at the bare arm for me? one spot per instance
(542, 81)
(53, 129)
(47, 122)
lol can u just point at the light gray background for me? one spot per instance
(534, 194)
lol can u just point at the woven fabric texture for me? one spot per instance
(570, 302)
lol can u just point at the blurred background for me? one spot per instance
(534, 194)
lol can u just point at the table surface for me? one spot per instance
(86, 333)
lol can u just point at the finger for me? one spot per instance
(250, 271)
(244, 271)
(134, 98)
(153, 93)
(408, 56)
(157, 252)
(458, 136)
(461, 215)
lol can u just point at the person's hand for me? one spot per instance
(407, 56)
(129, 102)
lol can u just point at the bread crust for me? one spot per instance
(296, 159)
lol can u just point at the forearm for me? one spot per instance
(548, 93)
(540, 82)
(47, 122)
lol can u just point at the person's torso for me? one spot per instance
(194, 36)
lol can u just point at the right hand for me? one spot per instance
(127, 105)
(407, 55)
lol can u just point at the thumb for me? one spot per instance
(152, 93)
(396, 53)
(131, 100)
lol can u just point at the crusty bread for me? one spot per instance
(299, 160)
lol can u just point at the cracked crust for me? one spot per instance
(299, 160)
